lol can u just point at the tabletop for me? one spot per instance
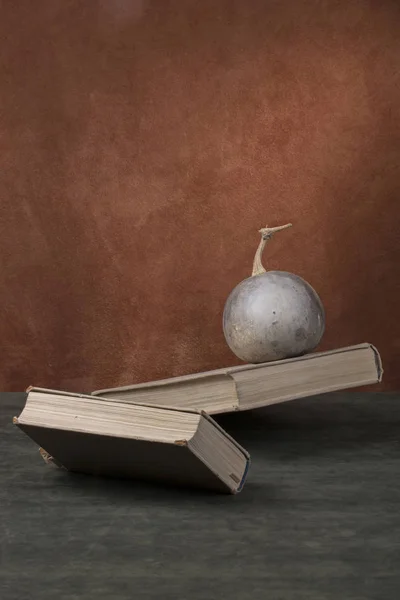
(318, 518)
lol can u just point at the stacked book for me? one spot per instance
(165, 431)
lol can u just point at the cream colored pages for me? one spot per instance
(288, 381)
(250, 386)
(89, 415)
(214, 393)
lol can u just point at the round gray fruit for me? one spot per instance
(272, 316)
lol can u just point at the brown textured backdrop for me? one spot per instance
(144, 142)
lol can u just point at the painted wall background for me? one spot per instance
(144, 143)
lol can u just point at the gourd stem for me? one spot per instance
(266, 234)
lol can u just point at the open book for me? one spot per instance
(252, 386)
(89, 435)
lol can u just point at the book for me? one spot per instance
(84, 434)
(253, 386)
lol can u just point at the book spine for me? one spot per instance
(378, 362)
(241, 484)
(50, 460)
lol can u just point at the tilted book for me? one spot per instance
(91, 435)
(252, 386)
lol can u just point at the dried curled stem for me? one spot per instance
(266, 234)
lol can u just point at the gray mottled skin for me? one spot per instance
(273, 316)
